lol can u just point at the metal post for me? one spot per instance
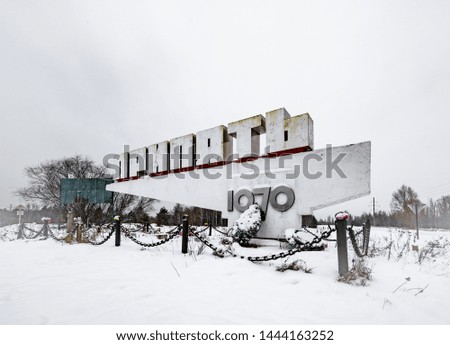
(45, 233)
(59, 217)
(20, 234)
(210, 226)
(366, 234)
(373, 211)
(185, 237)
(117, 227)
(341, 237)
(417, 220)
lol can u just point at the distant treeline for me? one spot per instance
(436, 214)
(197, 216)
(31, 215)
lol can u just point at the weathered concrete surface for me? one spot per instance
(316, 186)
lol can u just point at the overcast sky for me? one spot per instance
(88, 77)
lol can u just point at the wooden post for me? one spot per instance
(341, 237)
(69, 221)
(117, 227)
(20, 234)
(185, 237)
(79, 239)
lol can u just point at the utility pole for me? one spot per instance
(417, 219)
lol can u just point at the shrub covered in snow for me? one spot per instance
(9, 233)
(247, 226)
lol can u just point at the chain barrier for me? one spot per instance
(30, 229)
(52, 235)
(178, 227)
(112, 230)
(359, 232)
(354, 243)
(172, 234)
(309, 232)
(366, 234)
(204, 241)
(36, 233)
(330, 239)
(136, 228)
(334, 240)
(200, 231)
(300, 248)
(366, 237)
(221, 232)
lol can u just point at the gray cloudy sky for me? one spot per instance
(89, 76)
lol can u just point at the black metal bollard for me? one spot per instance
(117, 227)
(341, 238)
(45, 233)
(366, 234)
(185, 236)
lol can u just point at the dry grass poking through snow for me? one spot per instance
(403, 245)
(360, 274)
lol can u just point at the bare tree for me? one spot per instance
(44, 178)
(44, 189)
(403, 197)
(443, 210)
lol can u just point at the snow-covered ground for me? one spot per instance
(49, 282)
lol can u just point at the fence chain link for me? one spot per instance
(366, 234)
(172, 234)
(221, 232)
(52, 235)
(137, 228)
(36, 233)
(30, 229)
(300, 248)
(112, 230)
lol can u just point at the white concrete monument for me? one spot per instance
(288, 180)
